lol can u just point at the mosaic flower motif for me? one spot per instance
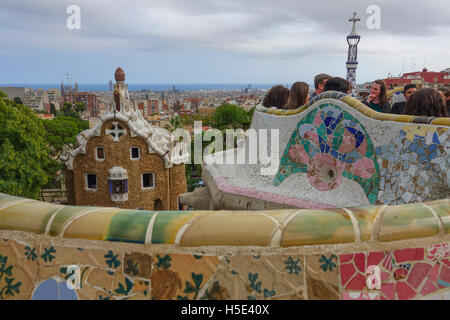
(438, 251)
(328, 145)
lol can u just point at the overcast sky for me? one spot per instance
(217, 41)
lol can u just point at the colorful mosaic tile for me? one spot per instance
(328, 145)
(414, 165)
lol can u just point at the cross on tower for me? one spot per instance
(354, 20)
(116, 132)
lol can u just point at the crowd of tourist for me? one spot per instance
(424, 102)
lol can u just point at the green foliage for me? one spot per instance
(59, 132)
(230, 116)
(174, 123)
(23, 151)
(67, 110)
(3, 95)
(18, 100)
(53, 109)
(63, 130)
(80, 107)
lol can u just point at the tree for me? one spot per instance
(58, 132)
(80, 107)
(174, 123)
(229, 116)
(53, 109)
(67, 111)
(18, 100)
(23, 151)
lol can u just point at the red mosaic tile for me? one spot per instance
(374, 258)
(360, 262)
(444, 277)
(428, 288)
(418, 272)
(388, 290)
(345, 258)
(347, 271)
(388, 262)
(384, 276)
(433, 275)
(357, 283)
(446, 261)
(404, 291)
(409, 255)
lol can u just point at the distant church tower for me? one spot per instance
(352, 62)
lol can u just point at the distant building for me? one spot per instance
(110, 85)
(423, 79)
(13, 92)
(88, 98)
(125, 162)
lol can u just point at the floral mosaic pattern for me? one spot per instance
(405, 274)
(329, 145)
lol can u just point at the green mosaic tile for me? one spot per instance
(129, 226)
(64, 215)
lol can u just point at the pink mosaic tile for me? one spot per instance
(357, 283)
(418, 273)
(404, 291)
(433, 276)
(444, 277)
(409, 255)
(347, 271)
(360, 296)
(388, 290)
(388, 262)
(446, 261)
(428, 288)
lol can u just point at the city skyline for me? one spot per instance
(217, 42)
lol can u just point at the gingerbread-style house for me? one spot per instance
(125, 162)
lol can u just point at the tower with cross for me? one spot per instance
(352, 62)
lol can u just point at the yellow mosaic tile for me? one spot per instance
(229, 228)
(442, 209)
(407, 222)
(93, 226)
(366, 217)
(86, 292)
(319, 227)
(180, 276)
(29, 216)
(268, 277)
(47, 272)
(101, 279)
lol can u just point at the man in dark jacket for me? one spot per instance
(408, 91)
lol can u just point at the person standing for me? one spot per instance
(426, 102)
(377, 99)
(408, 91)
(299, 95)
(319, 84)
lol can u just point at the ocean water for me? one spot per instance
(149, 86)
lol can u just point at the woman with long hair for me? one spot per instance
(298, 96)
(277, 97)
(426, 102)
(377, 99)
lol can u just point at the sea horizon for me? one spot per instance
(150, 86)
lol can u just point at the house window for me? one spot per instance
(148, 180)
(118, 186)
(99, 154)
(91, 181)
(135, 153)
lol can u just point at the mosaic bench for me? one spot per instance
(335, 152)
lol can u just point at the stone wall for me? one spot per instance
(280, 254)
